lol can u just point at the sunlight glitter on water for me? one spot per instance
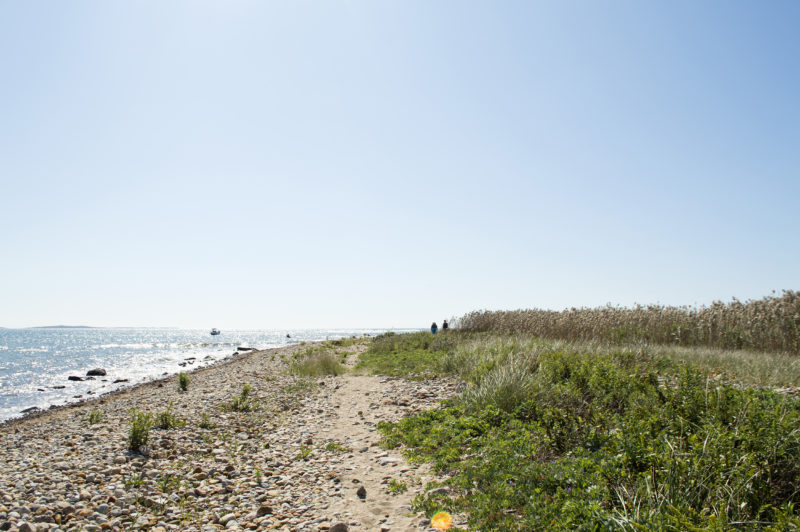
(36, 364)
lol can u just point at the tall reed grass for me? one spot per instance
(768, 324)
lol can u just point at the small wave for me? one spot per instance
(121, 346)
(33, 350)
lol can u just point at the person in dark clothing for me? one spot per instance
(434, 328)
(444, 325)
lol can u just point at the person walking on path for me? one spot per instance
(444, 325)
(434, 328)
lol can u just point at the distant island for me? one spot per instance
(63, 327)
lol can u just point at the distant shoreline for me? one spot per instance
(62, 327)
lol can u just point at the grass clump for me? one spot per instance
(242, 402)
(300, 387)
(205, 422)
(95, 416)
(545, 437)
(167, 420)
(316, 363)
(183, 381)
(139, 433)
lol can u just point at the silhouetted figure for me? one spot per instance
(444, 325)
(434, 328)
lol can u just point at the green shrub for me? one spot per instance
(167, 420)
(95, 416)
(183, 381)
(242, 402)
(140, 425)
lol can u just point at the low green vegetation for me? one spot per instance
(337, 447)
(548, 435)
(242, 402)
(134, 480)
(167, 420)
(183, 381)
(300, 387)
(205, 422)
(95, 416)
(411, 355)
(304, 453)
(396, 487)
(140, 425)
(317, 361)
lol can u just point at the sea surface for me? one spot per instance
(35, 364)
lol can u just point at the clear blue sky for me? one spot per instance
(328, 164)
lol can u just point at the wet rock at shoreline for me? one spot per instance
(96, 372)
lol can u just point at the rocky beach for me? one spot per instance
(304, 457)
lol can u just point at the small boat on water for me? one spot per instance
(214, 332)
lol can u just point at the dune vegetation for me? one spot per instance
(768, 324)
(599, 434)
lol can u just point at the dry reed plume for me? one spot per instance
(768, 324)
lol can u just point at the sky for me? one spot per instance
(272, 165)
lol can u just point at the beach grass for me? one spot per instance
(768, 324)
(317, 361)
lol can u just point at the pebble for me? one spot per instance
(244, 473)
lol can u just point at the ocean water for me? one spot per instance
(35, 363)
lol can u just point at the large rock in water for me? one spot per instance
(75, 378)
(96, 372)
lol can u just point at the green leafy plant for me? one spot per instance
(140, 425)
(168, 483)
(397, 487)
(95, 416)
(242, 402)
(167, 420)
(183, 381)
(134, 480)
(205, 422)
(337, 447)
(304, 453)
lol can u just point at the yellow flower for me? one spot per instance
(442, 521)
